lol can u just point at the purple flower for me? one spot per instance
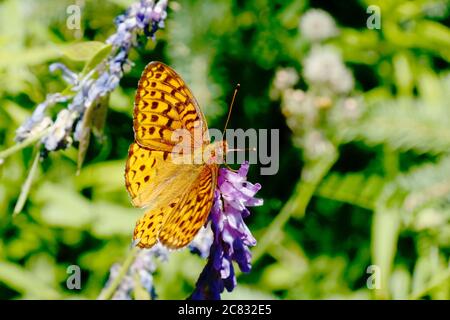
(202, 242)
(68, 75)
(224, 240)
(139, 273)
(232, 238)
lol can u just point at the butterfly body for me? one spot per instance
(175, 185)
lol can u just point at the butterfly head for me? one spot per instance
(217, 151)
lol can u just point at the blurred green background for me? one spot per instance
(364, 119)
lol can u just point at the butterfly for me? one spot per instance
(177, 196)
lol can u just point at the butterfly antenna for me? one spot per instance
(231, 107)
(237, 150)
(228, 118)
(246, 149)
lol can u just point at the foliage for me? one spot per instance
(364, 169)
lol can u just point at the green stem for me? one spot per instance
(391, 162)
(385, 228)
(435, 282)
(27, 184)
(271, 233)
(298, 202)
(25, 143)
(108, 292)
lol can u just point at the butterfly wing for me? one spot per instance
(178, 197)
(153, 179)
(193, 210)
(176, 224)
(163, 104)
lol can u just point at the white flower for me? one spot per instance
(316, 145)
(285, 78)
(293, 101)
(299, 109)
(352, 108)
(343, 80)
(317, 25)
(429, 218)
(324, 67)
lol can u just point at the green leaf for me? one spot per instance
(279, 276)
(29, 57)
(15, 112)
(385, 232)
(28, 183)
(21, 145)
(246, 292)
(442, 278)
(98, 57)
(403, 73)
(83, 51)
(120, 102)
(424, 185)
(312, 174)
(400, 283)
(112, 220)
(403, 124)
(63, 206)
(106, 176)
(93, 121)
(23, 281)
(353, 188)
(99, 117)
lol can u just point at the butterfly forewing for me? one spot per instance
(164, 104)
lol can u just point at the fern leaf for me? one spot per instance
(403, 125)
(354, 188)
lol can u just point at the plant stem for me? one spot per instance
(271, 233)
(435, 282)
(386, 228)
(25, 143)
(27, 184)
(298, 202)
(391, 162)
(108, 292)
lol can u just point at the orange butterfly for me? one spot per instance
(177, 197)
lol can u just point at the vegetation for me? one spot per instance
(360, 206)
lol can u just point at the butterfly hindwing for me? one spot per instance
(176, 224)
(153, 179)
(192, 212)
(140, 168)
